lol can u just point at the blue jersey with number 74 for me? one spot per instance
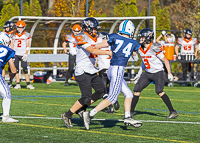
(122, 49)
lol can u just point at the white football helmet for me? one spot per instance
(4, 39)
(127, 27)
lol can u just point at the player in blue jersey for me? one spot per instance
(6, 55)
(122, 47)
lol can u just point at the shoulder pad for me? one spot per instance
(81, 38)
(28, 35)
(195, 40)
(68, 37)
(156, 47)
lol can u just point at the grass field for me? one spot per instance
(39, 113)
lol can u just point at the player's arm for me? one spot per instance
(196, 50)
(158, 39)
(27, 46)
(64, 45)
(102, 45)
(135, 56)
(165, 60)
(12, 68)
(12, 44)
(94, 51)
(176, 49)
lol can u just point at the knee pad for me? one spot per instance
(25, 70)
(84, 100)
(97, 95)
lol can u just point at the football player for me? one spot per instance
(20, 43)
(103, 62)
(6, 55)
(188, 45)
(85, 71)
(70, 38)
(152, 61)
(122, 46)
(9, 29)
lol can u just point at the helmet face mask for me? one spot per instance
(127, 27)
(8, 26)
(188, 34)
(21, 25)
(76, 29)
(4, 39)
(146, 36)
(91, 26)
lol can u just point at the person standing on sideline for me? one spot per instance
(152, 61)
(6, 55)
(85, 70)
(20, 43)
(188, 45)
(70, 38)
(122, 46)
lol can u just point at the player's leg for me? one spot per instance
(6, 103)
(70, 69)
(25, 70)
(10, 80)
(84, 81)
(184, 68)
(115, 74)
(16, 62)
(142, 83)
(159, 85)
(3, 73)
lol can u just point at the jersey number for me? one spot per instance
(19, 43)
(187, 47)
(146, 63)
(126, 50)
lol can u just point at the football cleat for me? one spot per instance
(172, 115)
(8, 119)
(17, 86)
(68, 122)
(116, 105)
(86, 120)
(131, 122)
(10, 86)
(30, 86)
(80, 114)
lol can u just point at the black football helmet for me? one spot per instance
(89, 24)
(104, 35)
(9, 24)
(148, 34)
(189, 32)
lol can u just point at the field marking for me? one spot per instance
(37, 115)
(42, 103)
(98, 132)
(115, 120)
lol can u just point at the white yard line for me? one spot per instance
(115, 120)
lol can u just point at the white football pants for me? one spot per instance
(117, 83)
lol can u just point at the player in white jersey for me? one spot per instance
(20, 43)
(152, 61)
(188, 45)
(9, 29)
(70, 38)
(85, 71)
(103, 62)
(6, 55)
(123, 46)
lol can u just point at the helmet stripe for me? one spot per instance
(124, 25)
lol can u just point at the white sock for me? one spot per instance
(127, 114)
(6, 106)
(93, 112)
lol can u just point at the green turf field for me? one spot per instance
(54, 99)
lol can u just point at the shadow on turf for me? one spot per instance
(148, 113)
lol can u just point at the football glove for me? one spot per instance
(163, 33)
(170, 77)
(136, 78)
(24, 58)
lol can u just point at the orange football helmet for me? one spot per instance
(21, 25)
(76, 28)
